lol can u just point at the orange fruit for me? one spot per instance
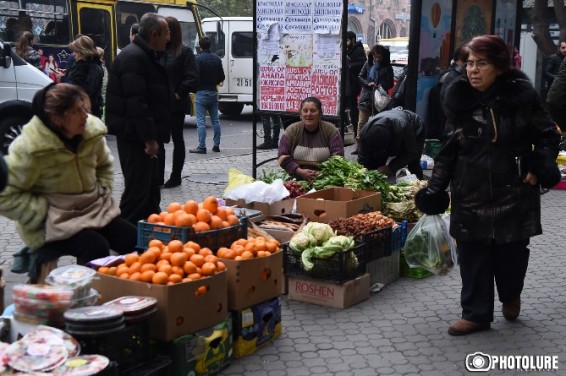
(112, 270)
(135, 276)
(189, 267)
(185, 220)
(250, 246)
(130, 258)
(156, 243)
(194, 276)
(229, 210)
(179, 258)
(220, 266)
(238, 258)
(221, 251)
(201, 226)
(240, 241)
(205, 251)
(121, 269)
(173, 207)
(135, 267)
(146, 267)
(103, 269)
(260, 245)
(167, 269)
(175, 278)
(197, 259)
(246, 255)
(211, 204)
(225, 224)
(169, 219)
(178, 270)
(175, 246)
(229, 254)
(211, 258)
(193, 245)
(124, 276)
(215, 222)
(221, 212)
(189, 251)
(208, 268)
(154, 218)
(204, 215)
(147, 275)
(190, 207)
(260, 254)
(148, 257)
(160, 278)
(271, 246)
(232, 219)
(161, 262)
(201, 290)
(165, 256)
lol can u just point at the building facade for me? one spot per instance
(372, 20)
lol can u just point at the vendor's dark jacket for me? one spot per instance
(138, 96)
(406, 139)
(489, 199)
(356, 59)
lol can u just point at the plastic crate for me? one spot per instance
(399, 236)
(339, 268)
(385, 269)
(128, 347)
(407, 271)
(212, 239)
(378, 242)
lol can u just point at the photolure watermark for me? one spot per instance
(480, 362)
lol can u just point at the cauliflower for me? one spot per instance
(321, 231)
(301, 241)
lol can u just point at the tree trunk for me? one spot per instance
(560, 12)
(541, 32)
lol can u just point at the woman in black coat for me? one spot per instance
(180, 63)
(501, 146)
(87, 72)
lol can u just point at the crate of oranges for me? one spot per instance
(206, 223)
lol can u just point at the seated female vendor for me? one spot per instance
(309, 142)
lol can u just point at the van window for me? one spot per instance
(242, 44)
(96, 24)
(46, 19)
(128, 14)
(216, 44)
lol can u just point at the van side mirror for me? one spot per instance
(6, 56)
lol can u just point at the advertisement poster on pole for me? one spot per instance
(298, 54)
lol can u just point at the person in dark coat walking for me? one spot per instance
(355, 58)
(396, 133)
(556, 97)
(501, 147)
(87, 71)
(551, 66)
(180, 63)
(138, 114)
(376, 72)
(211, 74)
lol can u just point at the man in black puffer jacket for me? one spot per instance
(396, 133)
(551, 66)
(556, 98)
(137, 113)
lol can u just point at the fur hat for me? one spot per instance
(432, 203)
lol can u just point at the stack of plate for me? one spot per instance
(134, 308)
(41, 304)
(93, 321)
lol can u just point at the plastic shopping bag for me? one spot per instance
(430, 246)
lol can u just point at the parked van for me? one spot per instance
(232, 41)
(399, 48)
(19, 82)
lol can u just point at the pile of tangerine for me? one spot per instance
(244, 249)
(167, 264)
(203, 216)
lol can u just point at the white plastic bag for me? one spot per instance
(259, 191)
(380, 98)
(404, 175)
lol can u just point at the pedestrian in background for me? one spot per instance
(556, 98)
(86, 72)
(502, 146)
(355, 59)
(272, 125)
(376, 72)
(211, 74)
(100, 51)
(61, 177)
(179, 62)
(137, 113)
(551, 66)
(309, 142)
(392, 140)
(25, 50)
(517, 59)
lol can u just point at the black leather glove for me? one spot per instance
(432, 203)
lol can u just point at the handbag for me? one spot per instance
(67, 214)
(380, 99)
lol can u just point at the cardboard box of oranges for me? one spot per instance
(206, 223)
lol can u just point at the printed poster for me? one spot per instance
(473, 18)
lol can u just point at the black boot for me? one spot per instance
(172, 182)
(266, 145)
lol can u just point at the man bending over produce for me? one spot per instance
(396, 133)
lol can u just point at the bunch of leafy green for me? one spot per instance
(271, 175)
(339, 172)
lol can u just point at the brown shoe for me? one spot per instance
(512, 309)
(463, 327)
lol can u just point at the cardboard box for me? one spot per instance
(329, 294)
(179, 310)
(253, 281)
(328, 204)
(205, 352)
(256, 327)
(276, 208)
(283, 236)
